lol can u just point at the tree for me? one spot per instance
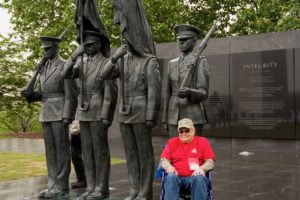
(258, 16)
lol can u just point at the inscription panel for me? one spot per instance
(262, 101)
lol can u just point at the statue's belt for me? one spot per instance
(94, 93)
(135, 93)
(52, 95)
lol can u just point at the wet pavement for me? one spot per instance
(266, 170)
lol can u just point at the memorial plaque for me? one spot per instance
(262, 94)
(217, 105)
(297, 91)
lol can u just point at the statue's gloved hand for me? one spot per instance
(78, 52)
(120, 53)
(184, 92)
(106, 123)
(67, 121)
(150, 123)
(75, 72)
(26, 92)
(165, 127)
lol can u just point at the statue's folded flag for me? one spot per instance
(87, 18)
(134, 25)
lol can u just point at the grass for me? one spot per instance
(14, 166)
(4, 135)
(18, 165)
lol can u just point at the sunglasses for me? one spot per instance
(184, 131)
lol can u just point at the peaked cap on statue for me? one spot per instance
(130, 14)
(47, 41)
(87, 18)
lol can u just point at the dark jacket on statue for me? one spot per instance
(58, 95)
(176, 108)
(141, 89)
(100, 97)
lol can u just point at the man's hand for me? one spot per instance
(67, 121)
(165, 126)
(75, 72)
(199, 172)
(106, 123)
(184, 92)
(171, 170)
(79, 51)
(26, 93)
(150, 123)
(120, 53)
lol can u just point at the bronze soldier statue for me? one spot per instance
(181, 99)
(97, 101)
(59, 100)
(136, 66)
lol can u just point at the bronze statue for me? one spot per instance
(135, 64)
(187, 82)
(97, 101)
(97, 98)
(59, 100)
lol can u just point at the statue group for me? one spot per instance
(85, 84)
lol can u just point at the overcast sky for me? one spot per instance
(4, 22)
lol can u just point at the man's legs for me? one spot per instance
(50, 157)
(62, 159)
(63, 156)
(199, 187)
(146, 160)
(172, 187)
(78, 161)
(132, 159)
(102, 161)
(88, 157)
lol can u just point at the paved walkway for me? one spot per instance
(269, 170)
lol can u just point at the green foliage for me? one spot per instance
(20, 117)
(258, 16)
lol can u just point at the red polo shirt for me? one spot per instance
(178, 153)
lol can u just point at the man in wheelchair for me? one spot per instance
(186, 159)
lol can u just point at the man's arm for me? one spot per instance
(109, 70)
(167, 166)
(208, 165)
(167, 90)
(68, 68)
(153, 91)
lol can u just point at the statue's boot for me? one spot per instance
(42, 194)
(55, 193)
(84, 195)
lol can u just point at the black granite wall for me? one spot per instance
(254, 89)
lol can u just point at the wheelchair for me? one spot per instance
(184, 194)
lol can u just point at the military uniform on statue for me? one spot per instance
(185, 102)
(140, 95)
(97, 101)
(97, 98)
(59, 100)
